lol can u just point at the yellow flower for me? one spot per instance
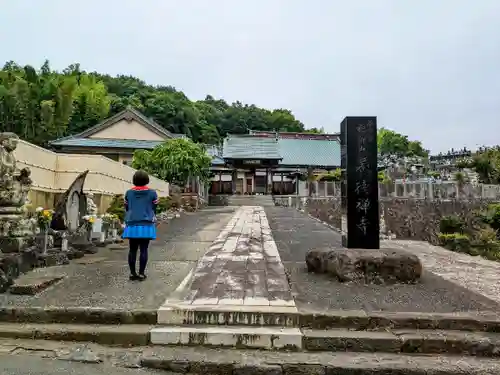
(91, 220)
(47, 213)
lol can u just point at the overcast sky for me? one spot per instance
(428, 68)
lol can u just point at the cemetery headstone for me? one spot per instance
(71, 206)
(360, 206)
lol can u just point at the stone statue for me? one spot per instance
(14, 184)
(15, 228)
(91, 206)
(19, 249)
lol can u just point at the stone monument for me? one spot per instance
(68, 216)
(361, 259)
(71, 206)
(360, 206)
(16, 230)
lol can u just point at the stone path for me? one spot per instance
(241, 267)
(240, 280)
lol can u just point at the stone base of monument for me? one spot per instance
(33, 284)
(14, 264)
(53, 257)
(85, 246)
(365, 265)
(75, 254)
(5, 282)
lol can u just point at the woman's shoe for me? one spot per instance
(142, 277)
(134, 277)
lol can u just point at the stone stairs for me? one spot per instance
(285, 328)
(251, 200)
(286, 340)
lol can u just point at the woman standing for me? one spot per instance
(140, 222)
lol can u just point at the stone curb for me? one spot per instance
(77, 315)
(361, 320)
(323, 222)
(426, 342)
(348, 319)
(355, 319)
(335, 367)
(122, 335)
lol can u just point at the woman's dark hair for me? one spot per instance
(140, 178)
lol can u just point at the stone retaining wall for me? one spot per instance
(406, 218)
(218, 200)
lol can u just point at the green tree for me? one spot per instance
(175, 161)
(91, 103)
(392, 143)
(41, 105)
(487, 165)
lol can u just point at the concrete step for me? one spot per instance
(404, 341)
(218, 361)
(122, 335)
(269, 338)
(227, 315)
(178, 313)
(77, 315)
(334, 340)
(376, 320)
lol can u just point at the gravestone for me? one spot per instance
(71, 206)
(360, 206)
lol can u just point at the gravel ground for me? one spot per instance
(295, 233)
(103, 281)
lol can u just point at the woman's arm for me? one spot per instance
(155, 201)
(126, 201)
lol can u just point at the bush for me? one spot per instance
(492, 216)
(175, 200)
(164, 203)
(455, 242)
(486, 241)
(117, 207)
(451, 224)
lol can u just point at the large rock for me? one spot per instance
(366, 265)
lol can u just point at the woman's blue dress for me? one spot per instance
(140, 231)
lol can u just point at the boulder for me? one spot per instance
(365, 265)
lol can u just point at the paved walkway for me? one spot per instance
(241, 267)
(252, 258)
(102, 280)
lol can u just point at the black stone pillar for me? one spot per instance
(360, 206)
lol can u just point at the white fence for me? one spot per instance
(424, 190)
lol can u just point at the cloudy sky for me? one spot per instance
(428, 68)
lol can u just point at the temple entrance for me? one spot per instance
(260, 184)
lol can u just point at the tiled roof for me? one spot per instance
(128, 113)
(295, 135)
(250, 147)
(106, 143)
(215, 153)
(309, 152)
